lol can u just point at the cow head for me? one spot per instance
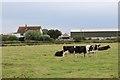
(96, 46)
(108, 46)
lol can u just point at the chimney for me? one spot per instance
(25, 25)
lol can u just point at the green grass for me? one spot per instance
(39, 62)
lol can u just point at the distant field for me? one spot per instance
(39, 62)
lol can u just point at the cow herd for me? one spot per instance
(81, 49)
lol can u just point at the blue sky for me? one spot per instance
(59, 15)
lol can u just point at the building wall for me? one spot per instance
(95, 34)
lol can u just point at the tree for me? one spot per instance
(32, 35)
(54, 33)
(8, 38)
(78, 38)
(4, 37)
(44, 38)
(13, 38)
(45, 31)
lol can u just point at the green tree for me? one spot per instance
(54, 33)
(78, 38)
(12, 38)
(44, 38)
(32, 35)
(4, 37)
(45, 31)
(9, 38)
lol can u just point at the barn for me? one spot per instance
(95, 33)
(22, 29)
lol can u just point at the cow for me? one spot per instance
(104, 48)
(59, 53)
(86, 49)
(93, 49)
(80, 49)
(70, 49)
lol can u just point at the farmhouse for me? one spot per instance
(22, 29)
(64, 37)
(95, 34)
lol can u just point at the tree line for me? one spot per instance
(49, 35)
(34, 35)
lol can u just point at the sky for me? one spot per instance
(64, 16)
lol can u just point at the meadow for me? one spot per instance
(38, 61)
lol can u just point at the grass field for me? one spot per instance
(39, 62)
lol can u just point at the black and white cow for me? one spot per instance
(70, 49)
(104, 48)
(59, 53)
(80, 49)
(93, 49)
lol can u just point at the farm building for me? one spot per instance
(22, 29)
(95, 34)
(64, 37)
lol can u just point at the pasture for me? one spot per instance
(39, 62)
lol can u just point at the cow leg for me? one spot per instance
(84, 55)
(87, 54)
(95, 54)
(75, 54)
(63, 54)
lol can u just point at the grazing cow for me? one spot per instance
(96, 46)
(59, 53)
(93, 48)
(104, 47)
(80, 49)
(70, 49)
(86, 49)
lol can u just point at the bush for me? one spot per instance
(21, 39)
(45, 31)
(36, 36)
(9, 38)
(54, 33)
(44, 38)
(4, 37)
(78, 39)
(13, 38)
(32, 35)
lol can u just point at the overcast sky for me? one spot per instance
(59, 15)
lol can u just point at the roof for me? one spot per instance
(23, 29)
(92, 30)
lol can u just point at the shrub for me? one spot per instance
(32, 35)
(44, 38)
(4, 37)
(21, 39)
(78, 39)
(13, 38)
(9, 38)
(54, 33)
(45, 31)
